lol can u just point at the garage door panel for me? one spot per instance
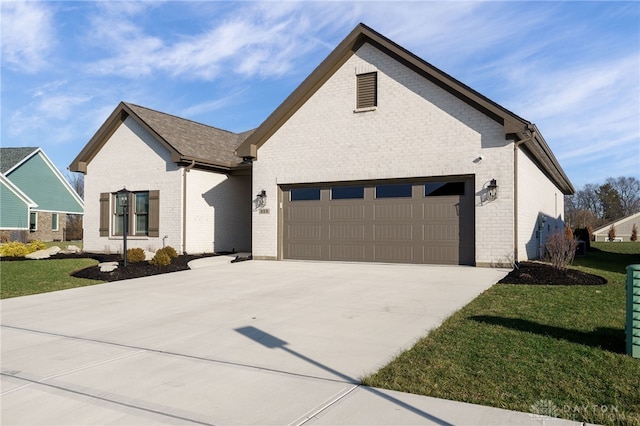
(305, 213)
(346, 212)
(304, 251)
(388, 211)
(393, 253)
(348, 252)
(393, 232)
(304, 232)
(346, 232)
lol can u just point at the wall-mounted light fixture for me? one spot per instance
(492, 190)
(261, 200)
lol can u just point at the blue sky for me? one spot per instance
(573, 68)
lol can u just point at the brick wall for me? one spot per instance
(540, 208)
(417, 130)
(132, 158)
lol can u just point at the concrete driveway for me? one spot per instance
(248, 343)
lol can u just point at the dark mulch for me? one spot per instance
(545, 274)
(133, 270)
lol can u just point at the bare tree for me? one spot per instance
(628, 189)
(74, 221)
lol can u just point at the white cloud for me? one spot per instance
(207, 107)
(27, 34)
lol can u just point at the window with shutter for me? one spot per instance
(367, 90)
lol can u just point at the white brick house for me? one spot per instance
(189, 190)
(379, 156)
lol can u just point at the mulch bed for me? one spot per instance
(537, 273)
(133, 270)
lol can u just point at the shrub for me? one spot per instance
(612, 233)
(36, 245)
(14, 249)
(171, 252)
(161, 258)
(583, 234)
(568, 232)
(135, 255)
(560, 249)
(634, 233)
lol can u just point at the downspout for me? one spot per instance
(184, 206)
(516, 145)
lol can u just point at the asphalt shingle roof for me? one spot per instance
(9, 157)
(193, 140)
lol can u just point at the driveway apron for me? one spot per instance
(247, 343)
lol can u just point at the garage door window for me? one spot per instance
(394, 191)
(347, 192)
(305, 194)
(437, 189)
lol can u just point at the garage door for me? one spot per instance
(424, 221)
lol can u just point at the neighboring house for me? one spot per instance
(379, 156)
(188, 189)
(34, 196)
(622, 226)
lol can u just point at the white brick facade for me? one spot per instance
(132, 158)
(540, 208)
(417, 130)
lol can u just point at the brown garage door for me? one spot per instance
(422, 221)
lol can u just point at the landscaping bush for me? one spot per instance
(583, 234)
(14, 249)
(161, 258)
(634, 233)
(560, 250)
(612, 233)
(36, 245)
(171, 252)
(135, 255)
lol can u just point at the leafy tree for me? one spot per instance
(628, 189)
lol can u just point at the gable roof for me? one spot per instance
(616, 223)
(13, 188)
(40, 180)
(11, 157)
(515, 127)
(186, 140)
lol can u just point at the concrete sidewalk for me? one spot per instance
(246, 343)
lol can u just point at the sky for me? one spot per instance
(572, 68)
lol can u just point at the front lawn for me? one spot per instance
(555, 350)
(21, 278)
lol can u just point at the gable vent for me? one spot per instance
(367, 90)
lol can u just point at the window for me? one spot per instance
(54, 221)
(305, 194)
(437, 189)
(347, 192)
(394, 191)
(367, 90)
(33, 221)
(143, 214)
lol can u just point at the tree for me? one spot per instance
(74, 221)
(612, 233)
(634, 233)
(610, 201)
(628, 189)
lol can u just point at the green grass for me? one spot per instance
(516, 345)
(22, 278)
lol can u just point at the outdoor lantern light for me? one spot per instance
(261, 199)
(492, 190)
(123, 200)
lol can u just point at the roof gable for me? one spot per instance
(617, 223)
(515, 127)
(40, 180)
(186, 140)
(11, 157)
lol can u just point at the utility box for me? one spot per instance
(633, 311)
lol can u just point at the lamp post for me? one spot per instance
(123, 200)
